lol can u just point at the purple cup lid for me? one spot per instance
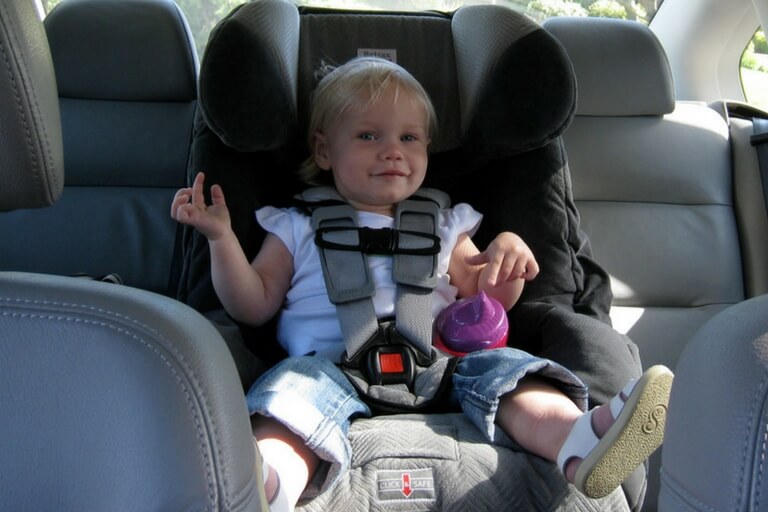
(473, 323)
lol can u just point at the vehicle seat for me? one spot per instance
(127, 83)
(750, 201)
(714, 456)
(653, 181)
(650, 172)
(504, 93)
(113, 398)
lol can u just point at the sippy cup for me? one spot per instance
(471, 323)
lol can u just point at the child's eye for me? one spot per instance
(408, 138)
(366, 136)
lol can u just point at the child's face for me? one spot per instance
(378, 155)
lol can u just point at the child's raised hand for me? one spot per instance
(189, 207)
(506, 258)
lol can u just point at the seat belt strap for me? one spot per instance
(759, 140)
(415, 275)
(347, 276)
(415, 247)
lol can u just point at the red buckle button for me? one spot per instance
(391, 363)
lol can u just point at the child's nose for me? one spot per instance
(392, 150)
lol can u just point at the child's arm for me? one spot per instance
(250, 292)
(500, 270)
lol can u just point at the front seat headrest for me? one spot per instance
(32, 163)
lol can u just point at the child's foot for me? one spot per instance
(598, 459)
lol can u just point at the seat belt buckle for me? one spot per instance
(390, 364)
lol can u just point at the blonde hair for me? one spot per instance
(343, 88)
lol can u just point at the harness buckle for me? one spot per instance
(387, 358)
(390, 364)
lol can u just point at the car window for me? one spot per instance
(202, 15)
(754, 70)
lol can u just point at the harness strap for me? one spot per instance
(415, 275)
(343, 249)
(347, 277)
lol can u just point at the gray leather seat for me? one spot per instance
(714, 454)
(653, 180)
(113, 398)
(127, 82)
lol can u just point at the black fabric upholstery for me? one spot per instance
(246, 111)
(527, 102)
(321, 42)
(255, 95)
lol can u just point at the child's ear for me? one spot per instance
(320, 151)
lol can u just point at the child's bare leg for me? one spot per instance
(596, 450)
(285, 452)
(539, 417)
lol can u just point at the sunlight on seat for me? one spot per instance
(621, 290)
(624, 318)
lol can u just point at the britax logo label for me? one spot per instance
(389, 54)
(406, 485)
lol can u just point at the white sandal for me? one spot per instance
(639, 412)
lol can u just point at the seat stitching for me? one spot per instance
(198, 421)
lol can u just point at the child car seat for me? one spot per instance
(504, 92)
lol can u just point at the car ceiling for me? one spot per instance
(704, 40)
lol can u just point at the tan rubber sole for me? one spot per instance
(634, 436)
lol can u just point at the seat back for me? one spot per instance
(126, 74)
(118, 399)
(652, 179)
(711, 460)
(749, 198)
(113, 398)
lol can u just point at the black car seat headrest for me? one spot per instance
(500, 83)
(620, 66)
(32, 161)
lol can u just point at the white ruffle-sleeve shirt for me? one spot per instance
(308, 322)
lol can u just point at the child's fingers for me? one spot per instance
(490, 275)
(185, 213)
(217, 196)
(477, 259)
(180, 198)
(198, 198)
(532, 269)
